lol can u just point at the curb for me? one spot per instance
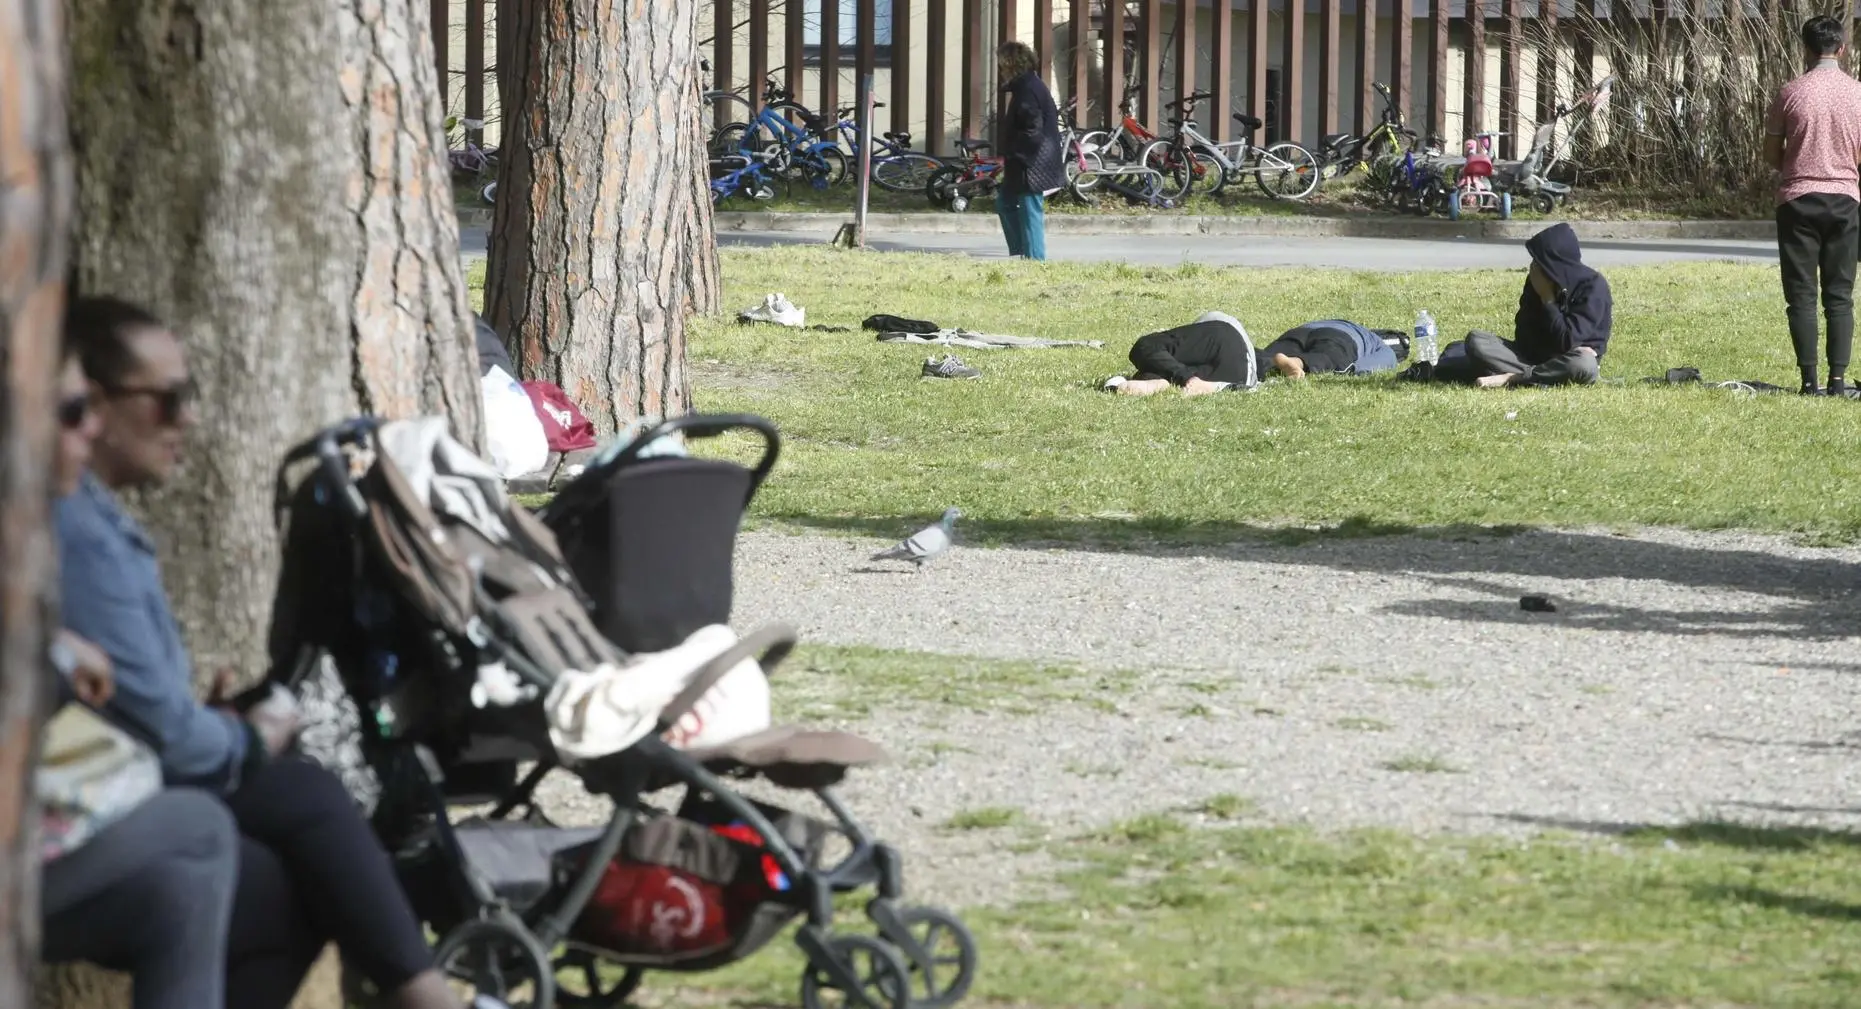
(1259, 227)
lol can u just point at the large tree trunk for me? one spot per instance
(601, 243)
(270, 178)
(35, 202)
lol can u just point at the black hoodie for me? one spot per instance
(1580, 315)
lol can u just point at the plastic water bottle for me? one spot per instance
(1426, 349)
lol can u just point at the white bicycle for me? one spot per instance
(1284, 171)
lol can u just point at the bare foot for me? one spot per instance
(1198, 387)
(1495, 381)
(1291, 367)
(1143, 387)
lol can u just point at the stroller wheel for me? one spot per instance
(940, 952)
(499, 958)
(878, 976)
(1546, 203)
(579, 982)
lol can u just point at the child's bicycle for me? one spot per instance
(955, 186)
(745, 173)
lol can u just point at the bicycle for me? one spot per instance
(895, 166)
(975, 176)
(797, 150)
(1284, 171)
(742, 174)
(472, 161)
(1341, 154)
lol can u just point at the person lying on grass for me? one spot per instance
(1213, 353)
(1559, 333)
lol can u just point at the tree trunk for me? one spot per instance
(35, 203)
(270, 179)
(601, 242)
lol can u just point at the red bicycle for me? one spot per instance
(977, 175)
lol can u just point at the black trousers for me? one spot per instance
(1816, 244)
(1322, 350)
(312, 872)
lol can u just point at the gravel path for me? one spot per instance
(1388, 681)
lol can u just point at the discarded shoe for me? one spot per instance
(949, 366)
(775, 308)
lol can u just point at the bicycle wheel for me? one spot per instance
(1081, 181)
(904, 173)
(1210, 173)
(1287, 172)
(823, 166)
(728, 139)
(1178, 173)
(942, 185)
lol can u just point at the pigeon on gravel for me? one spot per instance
(924, 544)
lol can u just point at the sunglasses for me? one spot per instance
(169, 401)
(72, 411)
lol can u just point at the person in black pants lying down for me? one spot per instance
(1213, 353)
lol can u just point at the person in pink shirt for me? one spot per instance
(1812, 137)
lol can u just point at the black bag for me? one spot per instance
(1396, 340)
(894, 324)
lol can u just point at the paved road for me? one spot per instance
(1384, 254)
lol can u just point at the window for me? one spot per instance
(848, 33)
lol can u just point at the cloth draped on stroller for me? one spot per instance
(466, 645)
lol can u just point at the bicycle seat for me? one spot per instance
(903, 139)
(973, 145)
(1251, 122)
(1333, 139)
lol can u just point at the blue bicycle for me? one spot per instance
(793, 137)
(895, 166)
(744, 174)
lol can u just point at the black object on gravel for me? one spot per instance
(1537, 604)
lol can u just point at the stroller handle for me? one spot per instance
(704, 425)
(327, 445)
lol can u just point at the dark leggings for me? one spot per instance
(311, 872)
(1323, 349)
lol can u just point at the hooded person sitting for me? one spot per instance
(1560, 332)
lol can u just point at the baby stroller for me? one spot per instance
(1530, 177)
(466, 643)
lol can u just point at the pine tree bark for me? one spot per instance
(601, 242)
(270, 179)
(35, 202)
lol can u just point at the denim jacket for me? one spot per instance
(113, 595)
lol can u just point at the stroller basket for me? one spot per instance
(651, 540)
(693, 891)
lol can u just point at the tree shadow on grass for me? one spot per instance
(1811, 907)
(1811, 596)
(1714, 833)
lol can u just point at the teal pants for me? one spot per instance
(1024, 221)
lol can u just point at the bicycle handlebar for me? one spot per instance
(1189, 99)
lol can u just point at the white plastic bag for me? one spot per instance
(514, 437)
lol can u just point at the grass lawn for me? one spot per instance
(1032, 451)
(1159, 913)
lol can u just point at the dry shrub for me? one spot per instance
(1686, 116)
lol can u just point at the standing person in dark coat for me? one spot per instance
(1030, 142)
(1559, 333)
